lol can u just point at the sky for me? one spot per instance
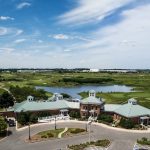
(75, 34)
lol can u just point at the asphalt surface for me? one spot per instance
(120, 140)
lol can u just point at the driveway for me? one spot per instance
(121, 140)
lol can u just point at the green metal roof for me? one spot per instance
(111, 107)
(130, 110)
(41, 105)
(91, 100)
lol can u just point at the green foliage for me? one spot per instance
(25, 118)
(106, 118)
(44, 136)
(75, 114)
(88, 80)
(144, 141)
(33, 118)
(77, 130)
(65, 95)
(3, 125)
(126, 123)
(21, 93)
(102, 143)
(6, 100)
(50, 135)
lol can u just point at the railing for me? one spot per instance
(52, 118)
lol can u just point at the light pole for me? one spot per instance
(29, 131)
(55, 122)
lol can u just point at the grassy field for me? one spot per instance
(139, 81)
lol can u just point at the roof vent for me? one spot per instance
(132, 101)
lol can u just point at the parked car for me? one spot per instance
(11, 123)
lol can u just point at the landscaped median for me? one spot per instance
(52, 134)
(99, 143)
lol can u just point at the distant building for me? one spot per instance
(94, 70)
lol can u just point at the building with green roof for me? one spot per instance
(88, 107)
(91, 106)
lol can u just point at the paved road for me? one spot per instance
(120, 140)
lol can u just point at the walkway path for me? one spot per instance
(61, 133)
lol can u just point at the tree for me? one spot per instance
(25, 118)
(65, 95)
(3, 125)
(21, 93)
(6, 100)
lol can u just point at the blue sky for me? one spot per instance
(75, 33)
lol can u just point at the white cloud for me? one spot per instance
(123, 45)
(3, 31)
(6, 49)
(19, 31)
(60, 37)
(19, 41)
(91, 10)
(23, 5)
(4, 18)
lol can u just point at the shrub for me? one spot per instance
(126, 123)
(144, 141)
(105, 118)
(75, 114)
(3, 125)
(50, 135)
(43, 136)
(76, 131)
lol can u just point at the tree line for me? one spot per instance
(88, 80)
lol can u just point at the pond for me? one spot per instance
(73, 91)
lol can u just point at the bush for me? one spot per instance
(144, 141)
(126, 123)
(77, 130)
(3, 125)
(50, 135)
(105, 118)
(43, 136)
(103, 143)
(75, 114)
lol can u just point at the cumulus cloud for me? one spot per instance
(4, 18)
(23, 5)
(91, 10)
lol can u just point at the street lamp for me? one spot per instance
(29, 131)
(55, 122)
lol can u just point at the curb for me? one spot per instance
(84, 122)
